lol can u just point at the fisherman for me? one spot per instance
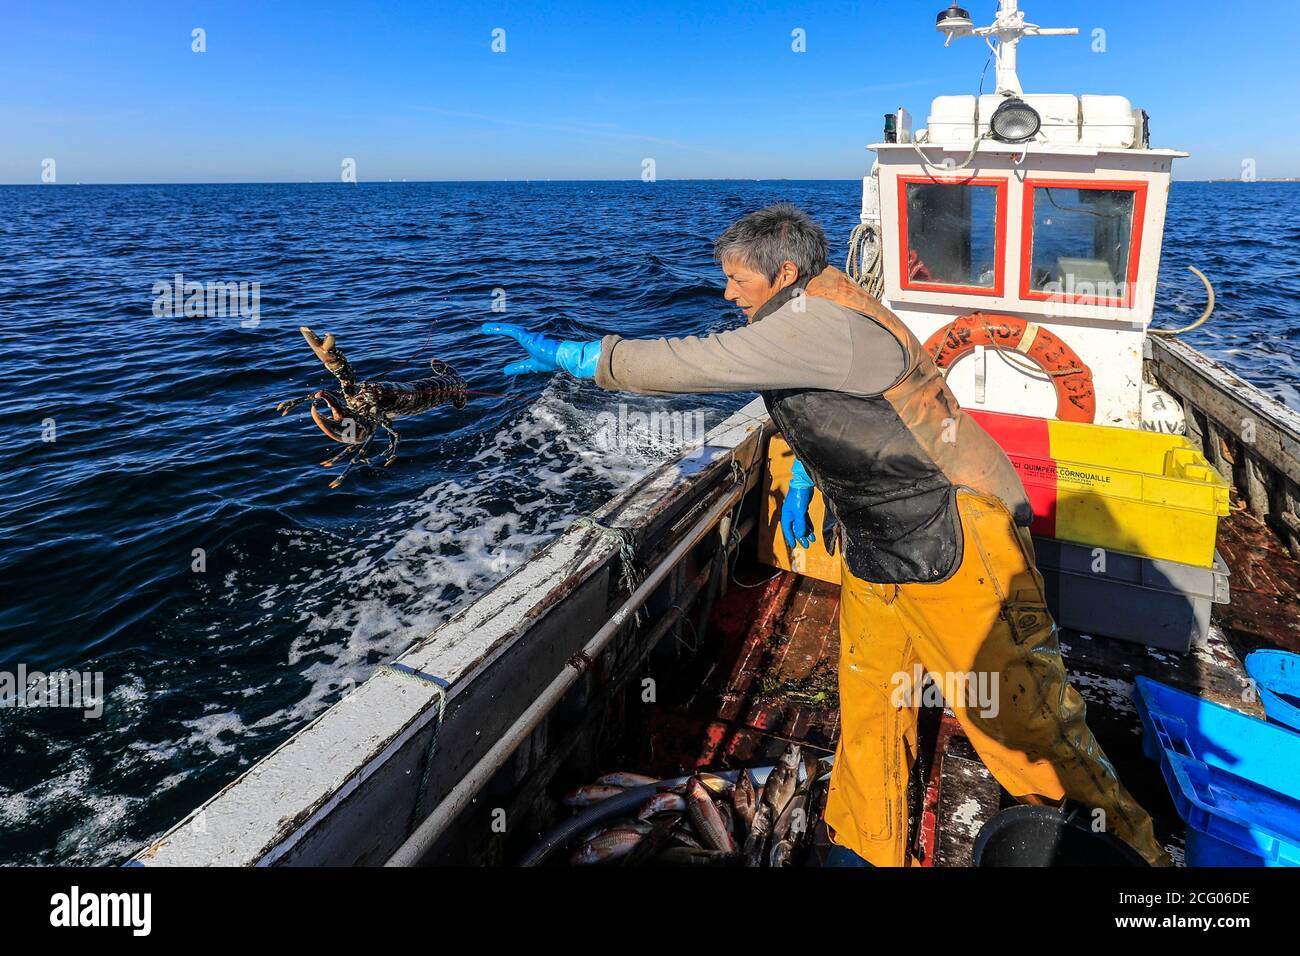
(937, 564)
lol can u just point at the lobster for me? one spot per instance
(361, 410)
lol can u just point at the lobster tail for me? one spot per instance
(453, 384)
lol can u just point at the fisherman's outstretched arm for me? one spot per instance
(787, 349)
(820, 346)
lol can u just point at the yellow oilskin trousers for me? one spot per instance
(986, 636)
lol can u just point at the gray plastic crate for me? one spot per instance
(1158, 603)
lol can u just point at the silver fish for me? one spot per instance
(684, 834)
(744, 798)
(706, 818)
(613, 844)
(654, 842)
(781, 852)
(665, 802)
(728, 816)
(597, 829)
(812, 768)
(592, 793)
(716, 785)
(759, 831)
(688, 856)
(793, 814)
(781, 782)
(625, 780)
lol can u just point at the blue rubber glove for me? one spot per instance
(546, 354)
(794, 510)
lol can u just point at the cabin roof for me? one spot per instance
(995, 148)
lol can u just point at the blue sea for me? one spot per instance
(163, 526)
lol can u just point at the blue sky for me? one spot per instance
(587, 90)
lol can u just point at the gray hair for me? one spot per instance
(767, 238)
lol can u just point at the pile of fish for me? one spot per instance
(706, 821)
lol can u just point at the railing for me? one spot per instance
(1251, 439)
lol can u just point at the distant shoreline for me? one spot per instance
(466, 182)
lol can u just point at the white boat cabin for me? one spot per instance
(1041, 217)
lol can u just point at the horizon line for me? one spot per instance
(673, 179)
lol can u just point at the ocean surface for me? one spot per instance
(179, 537)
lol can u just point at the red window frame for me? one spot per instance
(1139, 190)
(999, 235)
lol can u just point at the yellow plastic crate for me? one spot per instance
(1143, 493)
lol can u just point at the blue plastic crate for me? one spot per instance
(1235, 779)
(1277, 677)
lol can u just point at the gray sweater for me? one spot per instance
(809, 342)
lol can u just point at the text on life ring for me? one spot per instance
(1076, 399)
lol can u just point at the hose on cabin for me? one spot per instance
(1205, 316)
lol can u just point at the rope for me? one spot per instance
(1025, 365)
(993, 52)
(629, 576)
(757, 584)
(1030, 367)
(731, 547)
(864, 241)
(406, 672)
(728, 536)
(950, 169)
(694, 647)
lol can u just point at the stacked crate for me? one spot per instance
(1124, 526)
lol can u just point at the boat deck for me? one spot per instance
(763, 673)
(1265, 608)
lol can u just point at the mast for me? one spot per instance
(1008, 28)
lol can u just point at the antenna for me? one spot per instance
(1008, 27)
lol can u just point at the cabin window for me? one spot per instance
(952, 235)
(1081, 241)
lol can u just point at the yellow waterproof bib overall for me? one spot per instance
(986, 636)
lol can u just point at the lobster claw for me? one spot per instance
(349, 430)
(331, 358)
(324, 348)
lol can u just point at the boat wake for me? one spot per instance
(263, 652)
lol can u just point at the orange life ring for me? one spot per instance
(1076, 399)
